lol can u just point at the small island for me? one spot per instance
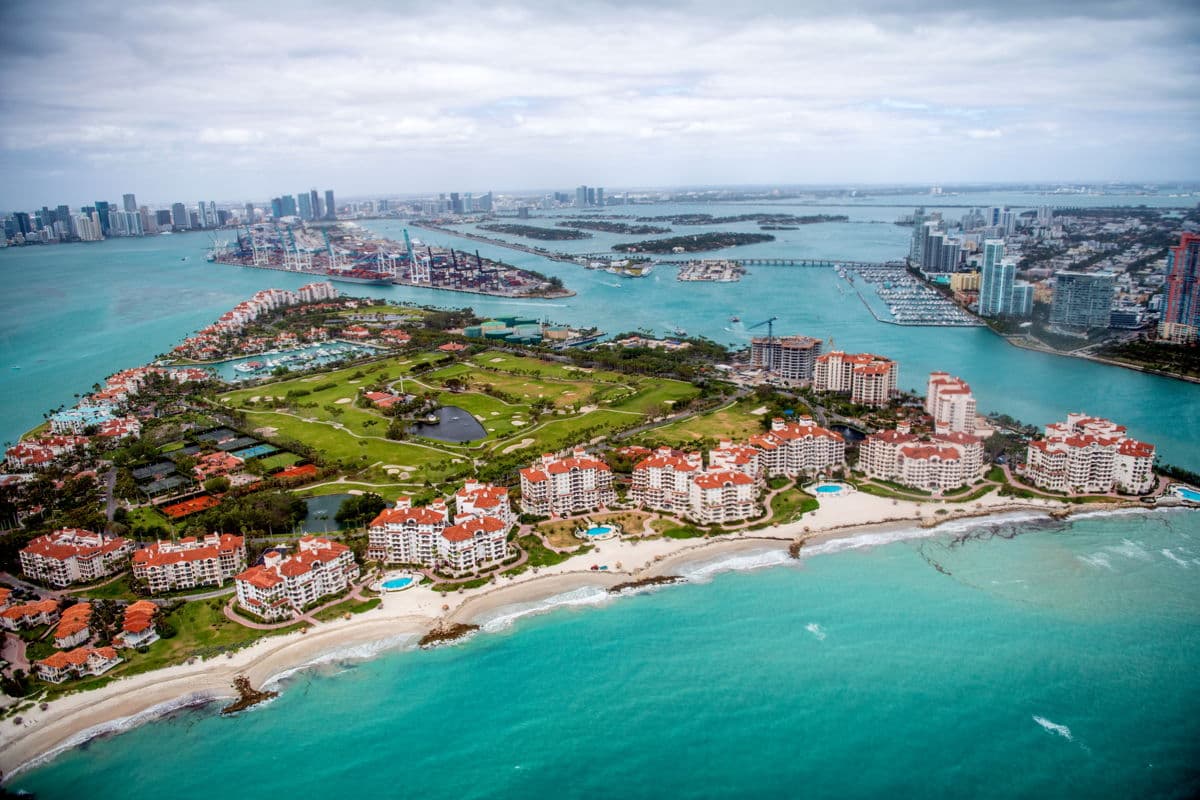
(535, 232)
(614, 227)
(694, 244)
(761, 219)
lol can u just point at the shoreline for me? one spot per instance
(71, 720)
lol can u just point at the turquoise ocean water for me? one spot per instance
(72, 314)
(1041, 660)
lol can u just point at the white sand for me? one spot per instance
(517, 446)
(342, 401)
(417, 609)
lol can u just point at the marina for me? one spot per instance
(907, 300)
(262, 364)
(714, 271)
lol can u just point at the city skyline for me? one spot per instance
(675, 95)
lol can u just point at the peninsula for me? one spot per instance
(693, 244)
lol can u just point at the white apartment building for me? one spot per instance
(791, 358)
(663, 480)
(1090, 454)
(71, 555)
(792, 448)
(474, 543)
(426, 535)
(207, 561)
(941, 462)
(566, 485)
(280, 587)
(406, 534)
(722, 495)
(950, 402)
(870, 380)
(740, 457)
(477, 499)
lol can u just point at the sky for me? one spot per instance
(243, 101)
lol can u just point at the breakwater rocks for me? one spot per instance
(247, 696)
(447, 634)
(641, 583)
(795, 547)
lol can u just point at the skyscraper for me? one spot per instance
(288, 205)
(102, 210)
(330, 208)
(456, 203)
(276, 207)
(581, 196)
(599, 195)
(1082, 300)
(129, 202)
(1181, 314)
(306, 208)
(249, 213)
(995, 280)
(201, 215)
(314, 201)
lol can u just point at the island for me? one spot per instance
(693, 244)
(762, 219)
(614, 227)
(536, 232)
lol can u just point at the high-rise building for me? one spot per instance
(996, 280)
(288, 206)
(276, 207)
(1181, 314)
(599, 195)
(149, 223)
(129, 202)
(1021, 304)
(179, 217)
(162, 218)
(201, 215)
(791, 358)
(102, 210)
(249, 219)
(331, 209)
(214, 220)
(24, 224)
(306, 208)
(1082, 300)
(456, 205)
(485, 203)
(581, 196)
(591, 196)
(314, 202)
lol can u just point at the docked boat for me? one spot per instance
(735, 319)
(248, 366)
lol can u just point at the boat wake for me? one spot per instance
(816, 630)
(1054, 728)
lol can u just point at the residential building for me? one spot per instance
(663, 480)
(68, 664)
(722, 495)
(206, 561)
(71, 555)
(791, 358)
(1181, 311)
(565, 485)
(1021, 304)
(950, 402)
(1090, 454)
(1082, 300)
(29, 615)
(282, 586)
(996, 280)
(473, 543)
(740, 457)
(935, 464)
(73, 626)
(331, 208)
(869, 379)
(794, 448)
(179, 217)
(137, 625)
(478, 500)
(407, 534)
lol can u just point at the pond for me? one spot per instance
(848, 433)
(454, 425)
(322, 513)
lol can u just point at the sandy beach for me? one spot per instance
(402, 615)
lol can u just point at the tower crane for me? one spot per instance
(770, 359)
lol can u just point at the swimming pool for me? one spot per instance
(1186, 493)
(396, 584)
(829, 488)
(598, 530)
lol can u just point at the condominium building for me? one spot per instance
(74, 626)
(282, 586)
(996, 280)
(722, 495)
(565, 485)
(740, 457)
(1082, 300)
(663, 480)
(1181, 311)
(940, 462)
(67, 664)
(792, 448)
(473, 543)
(870, 380)
(1090, 454)
(950, 402)
(407, 534)
(791, 358)
(478, 499)
(71, 556)
(137, 626)
(29, 615)
(207, 561)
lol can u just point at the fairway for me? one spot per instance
(734, 422)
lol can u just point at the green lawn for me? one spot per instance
(117, 590)
(730, 422)
(279, 460)
(348, 606)
(790, 504)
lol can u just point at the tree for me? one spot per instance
(218, 484)
(359, 509)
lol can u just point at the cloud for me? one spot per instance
(238, 101)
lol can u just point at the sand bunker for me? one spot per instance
(517, 446)
(760, 411)
(341, 401)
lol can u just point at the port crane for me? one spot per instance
(418, 272)
(335, 262)
(770, 359)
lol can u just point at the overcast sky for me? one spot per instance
(182, 101)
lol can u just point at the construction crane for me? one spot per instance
(770, 359)
(334, 263)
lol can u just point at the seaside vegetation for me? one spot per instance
(614, 227)
(536, 232)
(694, 243)
(762, 219)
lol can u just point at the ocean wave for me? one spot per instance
(342, 655)
(703, 571)
(816, 630)
(157, 712)
(1181, 562)
(1130, 549)
(958, 526)
(504, 617)
(1054, 727)
(1098, 560)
